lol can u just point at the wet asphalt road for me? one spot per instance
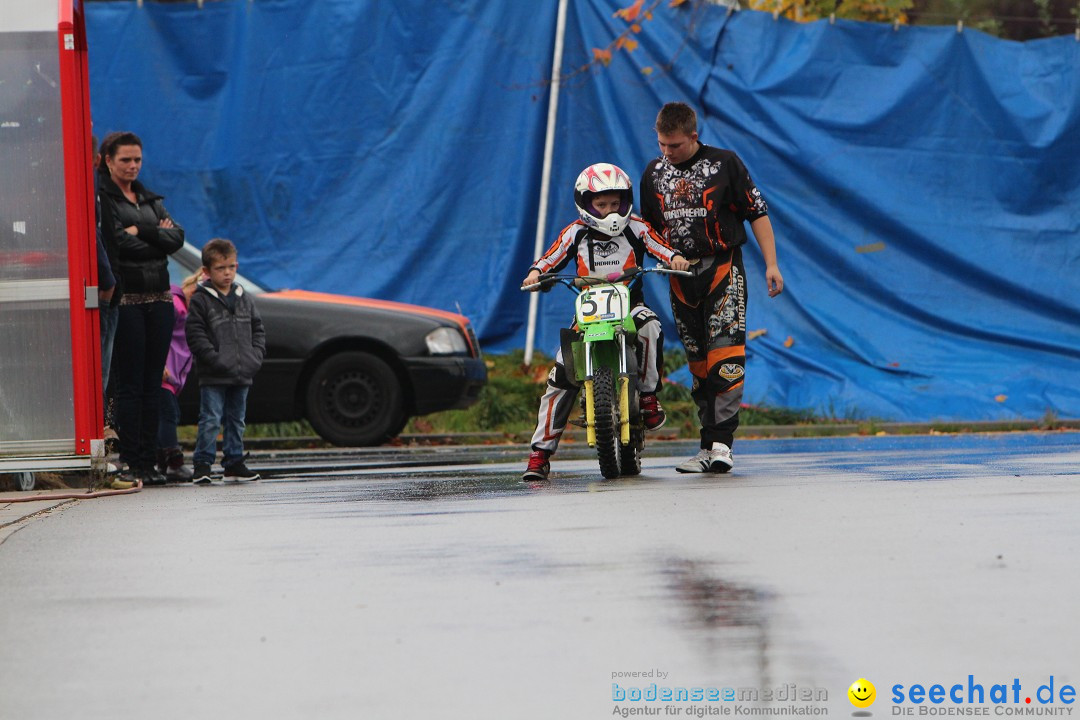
(360, 585)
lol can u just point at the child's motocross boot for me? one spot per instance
(539, 467)
(652, 412)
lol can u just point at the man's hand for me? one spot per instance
(774, 280)
(105, 296)
(678, 262)
(166, 223)
(531, 279)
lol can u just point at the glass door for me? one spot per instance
(36, 383)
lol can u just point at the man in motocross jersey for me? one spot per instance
(605, 239)
(698, 198)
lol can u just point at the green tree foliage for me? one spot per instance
(1011, 19)
(809, 10)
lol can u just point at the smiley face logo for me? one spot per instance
(862, 693)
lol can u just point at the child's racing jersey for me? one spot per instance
(599, 255)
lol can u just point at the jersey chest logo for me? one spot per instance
(683, 192)
(604, 248)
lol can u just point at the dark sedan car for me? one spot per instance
(357, 369)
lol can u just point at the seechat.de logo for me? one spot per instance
(862, 693)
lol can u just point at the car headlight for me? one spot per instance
(446, 341)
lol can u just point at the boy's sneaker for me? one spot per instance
(239, 471)
(717, 459)
(203, 475)
(652, 412)
(539, 467)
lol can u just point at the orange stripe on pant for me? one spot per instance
(676, 287)
(700, 368)
(721, 275)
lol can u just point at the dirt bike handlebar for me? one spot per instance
(578, 281)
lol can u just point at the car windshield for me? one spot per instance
(188, 259)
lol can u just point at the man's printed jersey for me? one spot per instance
(700, 205)
(599, 255)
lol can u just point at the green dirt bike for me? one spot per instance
(595, 354)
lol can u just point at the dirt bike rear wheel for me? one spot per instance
(630, 455)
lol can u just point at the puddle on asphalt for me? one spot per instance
(712, 603)
(921, 459)
(725, 618)
(411, 486)
(735, 628)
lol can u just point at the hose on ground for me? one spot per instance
(89, 494)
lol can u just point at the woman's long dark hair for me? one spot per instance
(112, 141)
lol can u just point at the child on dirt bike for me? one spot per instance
(606, 239)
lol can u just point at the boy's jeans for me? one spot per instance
(221, 406)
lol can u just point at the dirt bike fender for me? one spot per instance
(604, 354)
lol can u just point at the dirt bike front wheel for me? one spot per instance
(606, 409)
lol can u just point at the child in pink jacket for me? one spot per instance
(170, 458)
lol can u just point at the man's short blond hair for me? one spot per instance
(676, 117)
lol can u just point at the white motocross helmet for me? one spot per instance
(604, 178)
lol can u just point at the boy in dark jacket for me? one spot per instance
(226, 337)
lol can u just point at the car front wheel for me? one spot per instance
(354, 398)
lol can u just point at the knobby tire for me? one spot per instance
(607, 421)
(630, 455)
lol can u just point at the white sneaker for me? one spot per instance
(718, 459)
(721, 458)
(698, 463)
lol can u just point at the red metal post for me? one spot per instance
(81, 231)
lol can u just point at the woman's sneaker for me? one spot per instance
(119, 483)
(538, 468)
(717, 459)
(151, 476)
(125, 479)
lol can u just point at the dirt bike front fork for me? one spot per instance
(624, 396)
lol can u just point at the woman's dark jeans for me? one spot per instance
(143, 334)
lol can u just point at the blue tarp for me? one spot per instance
(924, 184)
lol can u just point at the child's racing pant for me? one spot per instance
(562, 389)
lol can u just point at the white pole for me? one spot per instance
(545, 175)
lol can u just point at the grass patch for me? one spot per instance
(187, 434)
(509, 401)
(682, 412)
